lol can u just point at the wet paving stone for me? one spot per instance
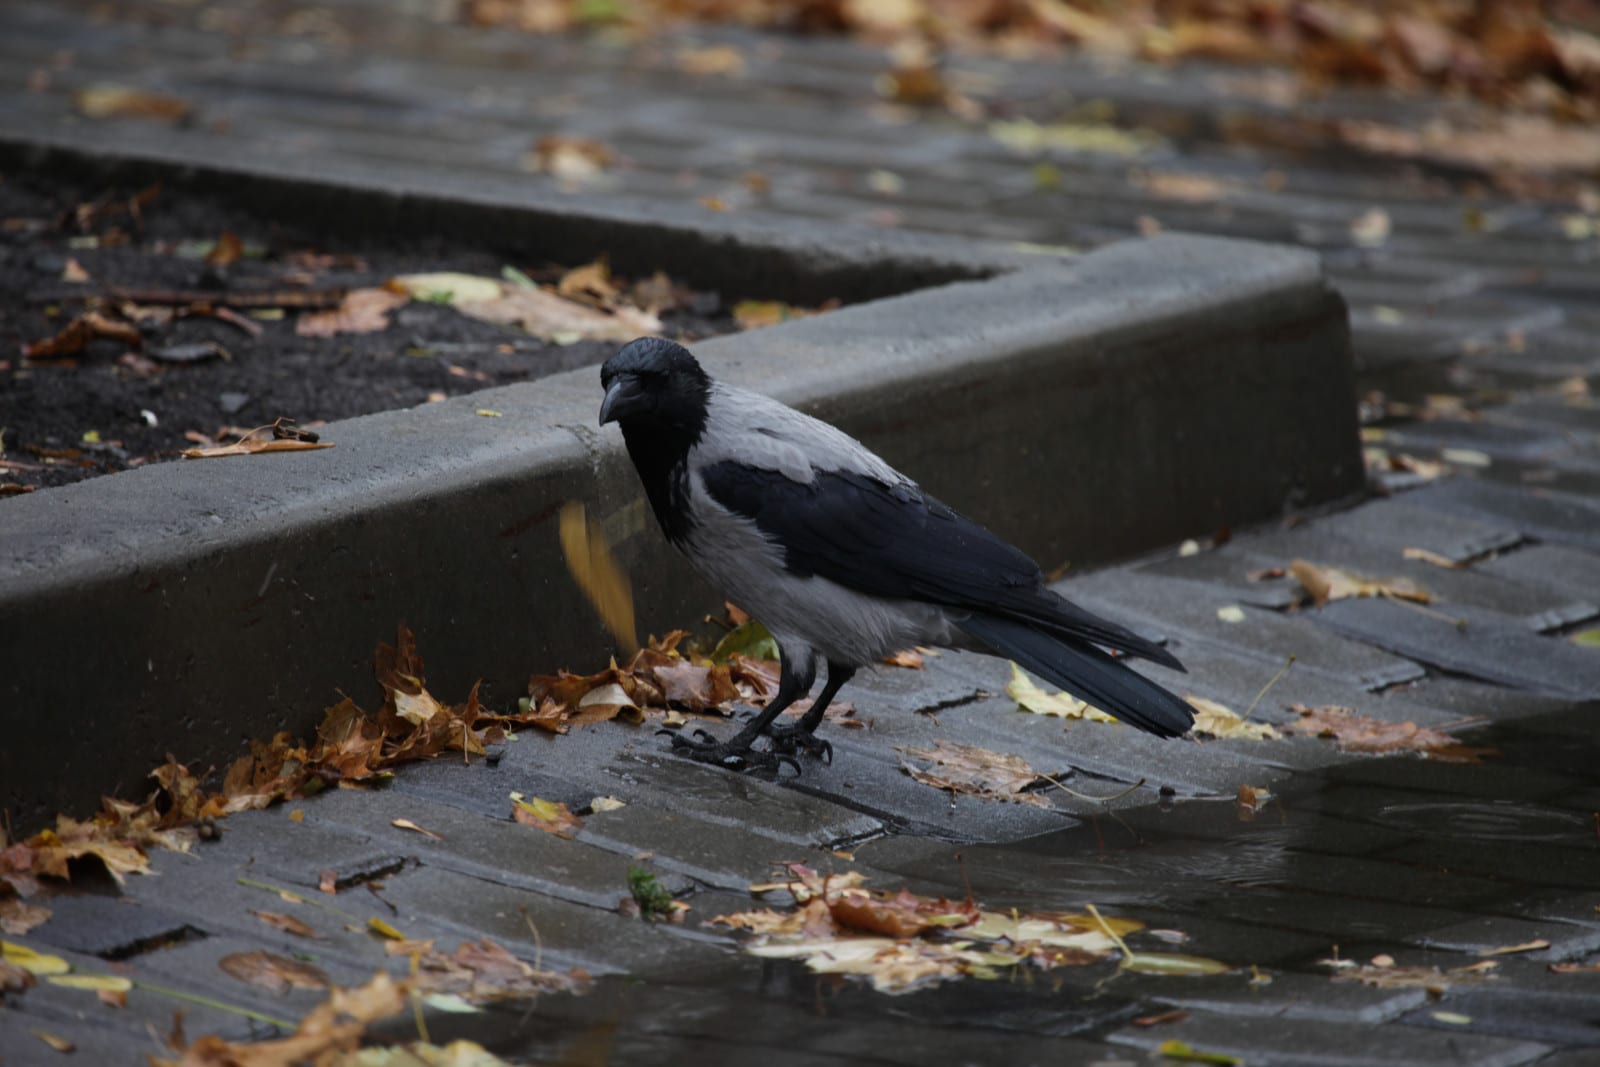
(1429, 862)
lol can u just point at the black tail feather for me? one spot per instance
(1086, 672)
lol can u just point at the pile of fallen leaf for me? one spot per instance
(1541, 56)
(902, 941)
(665, 681)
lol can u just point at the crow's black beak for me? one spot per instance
(623, 398)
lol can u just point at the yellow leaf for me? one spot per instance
(1231, 613)
(446, 287)
(1030, 697)
(94, 983)
(31, 961)
(1218, 720)
(598, 574)
(1181, 1050)
(378, 926)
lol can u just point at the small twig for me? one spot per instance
(416, 998)
(1085, 796)
(1281, 672)
(538, 942)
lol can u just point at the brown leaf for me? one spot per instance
(483, 971)
(226, 251)
(328, 880)
(17, 916)
(574, 160)
(1423, 555)
(1361, 733)
(276, 974)
(713, 59)
(1251, 800)
(968, 770)
(590, 284)
(1332, 583)
(907, 657)
(251, 446)
(55, 1041)
(77, 334)
(361, 311)
(287, 923)
(754, 314)
(104, 101)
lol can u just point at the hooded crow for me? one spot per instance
(844, 559)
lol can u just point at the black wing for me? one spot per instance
(899, 542)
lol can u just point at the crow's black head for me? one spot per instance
(653, 384)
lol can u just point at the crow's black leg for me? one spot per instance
(794, 681)
(803, 735)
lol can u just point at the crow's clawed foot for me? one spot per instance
(792, 739)
(705, 748)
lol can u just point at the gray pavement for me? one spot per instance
(1432, 863)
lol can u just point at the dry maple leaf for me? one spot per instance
(17, 916)
(1219, 720)
(482, 971)
(361, 311)
(1333, 583)
(550, 816)
(287, 923)
(1361, 733)
(968, 770)
(276, 974)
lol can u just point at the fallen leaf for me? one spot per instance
(253, 446)
(55, 1041)
(447, 287)
(1252, 799)
(1423, 555)
(73, 273)
(105, 101)
(1382, 973)
(1177, 1015)
(1586, 638)
(1031, 138)
(754, 314)
(713, 59)
(226, 251)
(967, 770)
(33, 962)
(407, 824)
(328, 881)
(1172, 963)
(361, 311)
(385, 930)
(1360, 733)
(550, 816)
(1332, 583)
(909, 658)
(485, 972)
(1574, 968)
(17, 916)
(1231, 613)
(1174, 1049)
(1371, 228)
(330, 1032)
(1030, 697)
(574, 160)
(599, 804)
(276, 974)
(597, 573)
(749, 639)
(287, 923)
(1218, 720)
(77, 334)
(1451, 1018)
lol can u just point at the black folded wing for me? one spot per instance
(898, 542)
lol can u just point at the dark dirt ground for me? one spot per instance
(140, 407)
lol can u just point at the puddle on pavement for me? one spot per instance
(1326, 865)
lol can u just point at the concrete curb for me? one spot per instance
(1090, 408)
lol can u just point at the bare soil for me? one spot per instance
(122, 403)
